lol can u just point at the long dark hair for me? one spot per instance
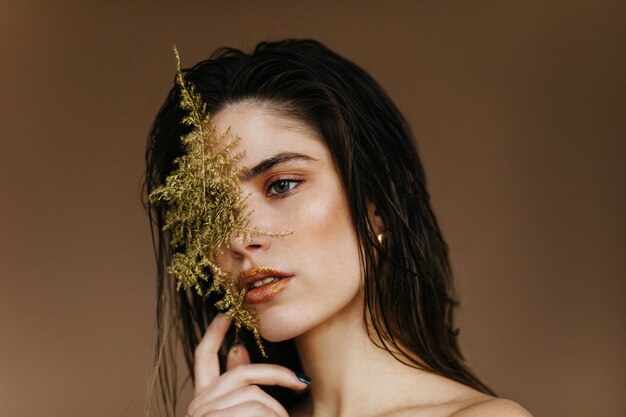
(409, 298)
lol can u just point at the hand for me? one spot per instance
(235, 393)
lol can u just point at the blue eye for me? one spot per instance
(280, 187)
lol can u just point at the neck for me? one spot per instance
(351, 375)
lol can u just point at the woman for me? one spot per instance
(355, 304)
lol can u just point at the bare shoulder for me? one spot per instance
(493, 407)
(477, 406)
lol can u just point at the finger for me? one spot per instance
(251, 393)
(206, 361)
(248, 409)
(253, 374)
(237, 355)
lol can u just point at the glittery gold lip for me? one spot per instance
(248, 277)
(257, 270)
(267, 292)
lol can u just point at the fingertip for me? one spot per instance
(222, 320)
(305, 379)
(223, 316)
(237, 355)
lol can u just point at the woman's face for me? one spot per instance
(291, 186)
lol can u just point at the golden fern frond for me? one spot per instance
(205, 208)
(190, 100)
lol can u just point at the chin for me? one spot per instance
(278, 330)
(284, 321)
(278, 325)
(276, 335)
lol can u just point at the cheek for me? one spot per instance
(327, 231)
(325, 212)
(324, 255)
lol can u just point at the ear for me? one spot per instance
(375, 220)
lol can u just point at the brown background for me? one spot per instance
(519, 112)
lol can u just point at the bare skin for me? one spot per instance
(236, 392)
(396, 393)
(321, 307)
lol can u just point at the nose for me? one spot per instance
(257, 241)
(258, 220)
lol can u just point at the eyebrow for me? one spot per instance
(269, 163)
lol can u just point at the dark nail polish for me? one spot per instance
(303, 378)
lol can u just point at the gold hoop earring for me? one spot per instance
(380, 237)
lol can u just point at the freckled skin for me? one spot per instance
(322, 251)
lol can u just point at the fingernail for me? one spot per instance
(303, 378)
(236, 350)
